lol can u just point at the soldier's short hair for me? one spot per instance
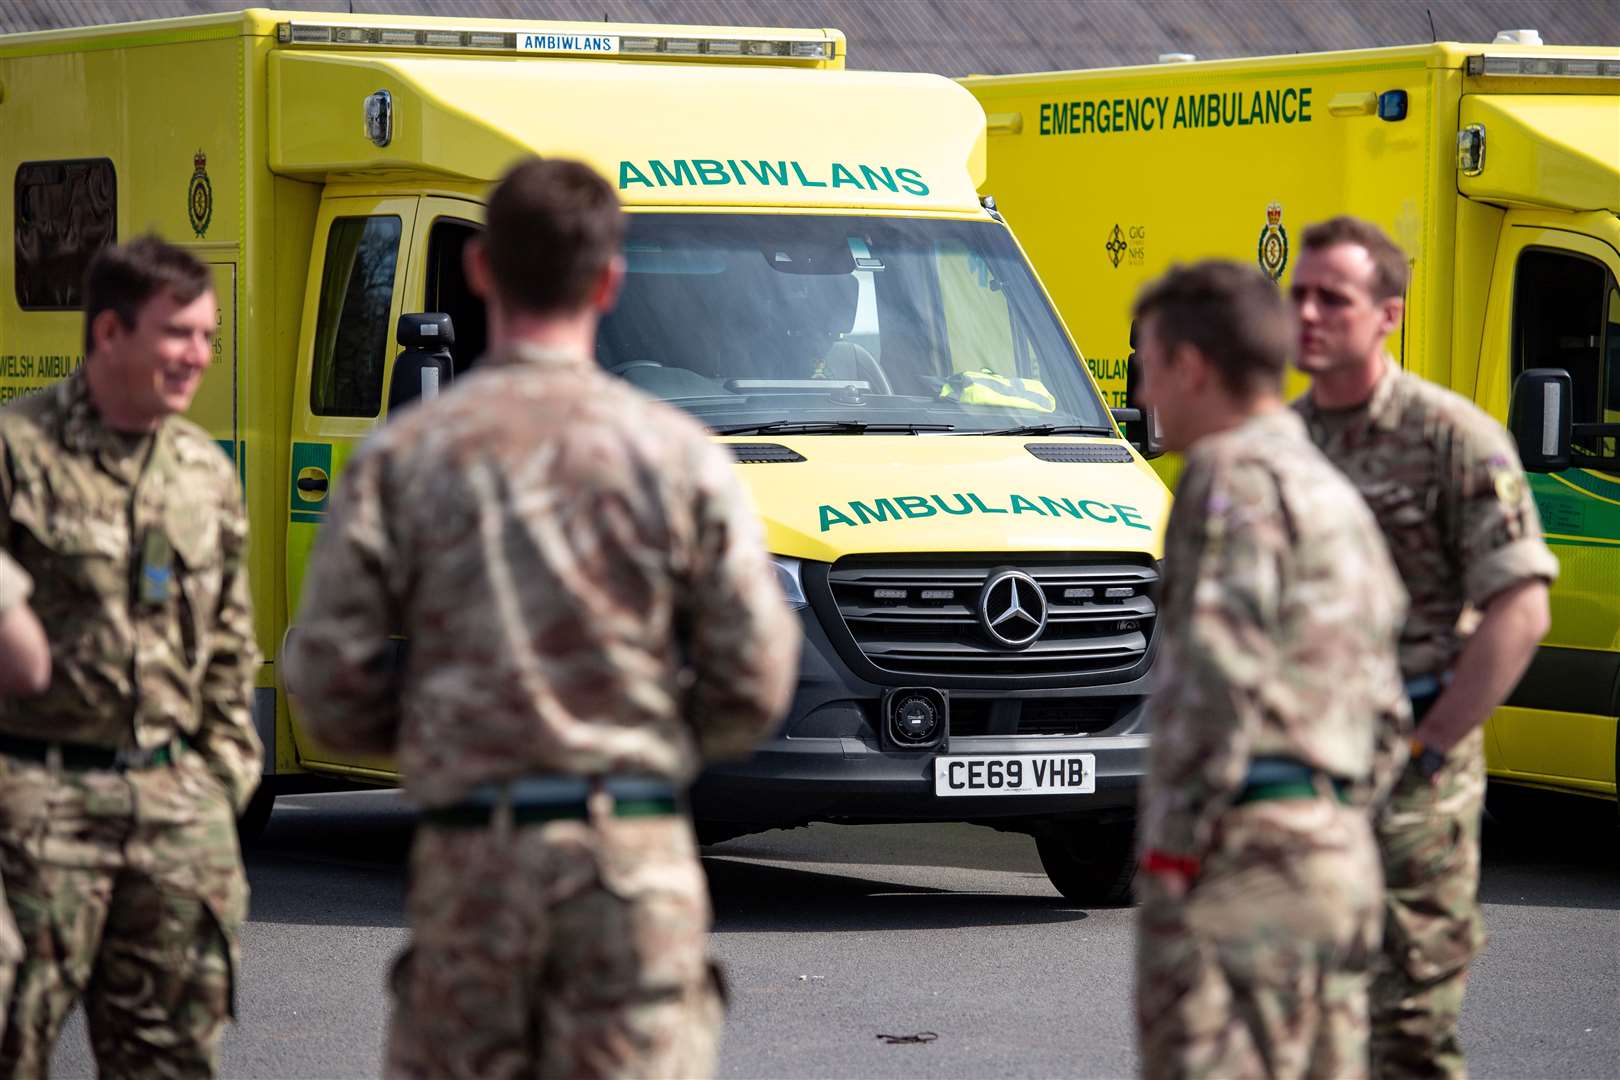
(1232, 314)
(554, 226)
(123, 277)
(1391, 270)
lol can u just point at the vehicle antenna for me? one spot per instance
(1432, 35)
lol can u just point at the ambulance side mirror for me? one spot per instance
(1140, 425)
(425, 367)
(1541, 418)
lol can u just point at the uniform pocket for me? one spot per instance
(25, 805)
(218, 958)
(82, 553)
(193, 532)
(655, 918)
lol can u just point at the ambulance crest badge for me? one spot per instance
(1116, 246)
(200, 196)
(1273, 249)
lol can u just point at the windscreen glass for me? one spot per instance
(811, 322)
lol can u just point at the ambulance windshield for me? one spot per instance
(843, 324)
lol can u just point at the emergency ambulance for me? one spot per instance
(950, 505)
(1497, 167)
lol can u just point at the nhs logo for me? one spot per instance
(591, 44)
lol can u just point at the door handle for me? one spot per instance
(312, 483)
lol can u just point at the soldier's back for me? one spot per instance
(543, 522)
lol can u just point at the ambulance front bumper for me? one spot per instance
(831, 761)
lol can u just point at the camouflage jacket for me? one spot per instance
(137, 547)
(578, 577)
(15, 584)
(1281, 611)
(1446, 486)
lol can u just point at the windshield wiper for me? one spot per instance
(827, 427)
(1047, 429)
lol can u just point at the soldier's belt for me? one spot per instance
(539, 799)
(80, 757)
(1281, 778)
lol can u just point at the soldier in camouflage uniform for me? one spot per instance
(589, 616)
(1445, 483)
(1259, 879)
(119, 785)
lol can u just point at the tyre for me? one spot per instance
(250, 826)
(1093, 865)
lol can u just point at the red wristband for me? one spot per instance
(1157, 862)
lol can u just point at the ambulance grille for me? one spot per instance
(921, 616)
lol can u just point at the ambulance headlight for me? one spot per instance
(789, 575)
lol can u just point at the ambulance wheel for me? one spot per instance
(1092, 865)
(250, 826)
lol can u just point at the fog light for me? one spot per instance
(915, 717)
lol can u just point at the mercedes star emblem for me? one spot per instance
(1012, 609)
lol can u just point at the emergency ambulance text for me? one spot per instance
(1237, 108)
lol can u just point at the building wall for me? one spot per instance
(960, 37)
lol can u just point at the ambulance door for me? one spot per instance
(355, 295)
(1555, 303)
(436, 281)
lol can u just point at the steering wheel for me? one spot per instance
(866, 365)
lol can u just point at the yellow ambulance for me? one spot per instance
(1496, 166)
(972, 544)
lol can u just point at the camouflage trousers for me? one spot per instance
(128, 892)
(11, 954)
(563, 949)
(1261, 969)
(1428, 837)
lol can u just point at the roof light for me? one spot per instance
(300, 34)
(1517, 37)
(551, 40)
(1546, 67)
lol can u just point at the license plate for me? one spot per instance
(1015, 774)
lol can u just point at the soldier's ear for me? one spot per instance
(1391, 312)
(105, 330)
(1190, 366)
(605, 293)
